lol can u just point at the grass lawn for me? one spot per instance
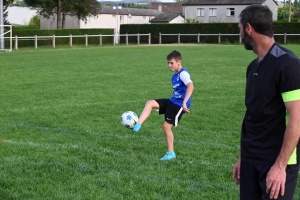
(60, 135)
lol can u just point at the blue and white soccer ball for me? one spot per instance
(129, 119)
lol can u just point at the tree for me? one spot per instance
(6, 3)
(80, 8)
(34, 21)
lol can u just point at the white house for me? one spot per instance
(171, 18)
(222, 10)
(107, 18)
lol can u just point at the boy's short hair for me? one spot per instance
(174, 55)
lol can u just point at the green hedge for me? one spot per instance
(62, 32)
(204, 28)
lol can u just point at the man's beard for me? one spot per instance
(248, 42)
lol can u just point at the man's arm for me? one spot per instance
(276, 177)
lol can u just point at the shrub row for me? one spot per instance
(204, 28)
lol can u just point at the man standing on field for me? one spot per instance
(268, 165)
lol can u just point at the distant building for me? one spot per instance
(208, 11)
(166, 7)
(170, 18)
(20, 16)
(107, 18)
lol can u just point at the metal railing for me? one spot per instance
(116, 38)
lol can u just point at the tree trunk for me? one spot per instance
(63, 20)
(290, 12)
(284, 9)
(59, 24)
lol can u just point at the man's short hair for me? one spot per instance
(259, 17)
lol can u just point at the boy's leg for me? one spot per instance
(151, 104)
(170, 142)
(169, 136)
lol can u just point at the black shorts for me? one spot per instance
(253, 181)
(173, 112)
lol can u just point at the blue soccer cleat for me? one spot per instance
(169, 156)
(137, 127)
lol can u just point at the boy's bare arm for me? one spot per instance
(188, 94)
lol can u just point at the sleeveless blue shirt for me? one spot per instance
(179, 90)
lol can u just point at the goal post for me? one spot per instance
(6, 38)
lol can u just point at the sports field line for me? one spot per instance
(112, 134)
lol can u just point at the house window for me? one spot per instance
(200, 12)
(230, 12)
(212, 12)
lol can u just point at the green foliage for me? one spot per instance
(202, 28)
(35, 21)
(61, 139)
(192, 21)
(82, 9)
(28, 27)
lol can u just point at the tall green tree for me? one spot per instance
(80, 8)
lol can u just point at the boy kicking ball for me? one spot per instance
(174, 107)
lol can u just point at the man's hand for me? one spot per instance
(236, 171)
(275, 181)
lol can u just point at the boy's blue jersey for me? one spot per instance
(179, 90)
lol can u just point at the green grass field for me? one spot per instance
(60, 135)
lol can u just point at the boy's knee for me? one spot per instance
(167, 126)
(150, 103)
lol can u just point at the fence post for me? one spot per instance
(126, 39)
(35, 41)
(86, 40)
(178, 38)
(138, 38)
(219, 39)
(71, 42)
(198, 39)
(159, 38)
(284, 38)
(114, 40)
(149, 38)
(100, 40)
(53, 41)
(16, 43)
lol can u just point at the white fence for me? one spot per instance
(116, 38)
(2, 37)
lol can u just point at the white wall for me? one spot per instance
(51, 23)
(101, 21)
(272, 7)
(20, 15)
(191, 12)
(111, 21)
(177, 20)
